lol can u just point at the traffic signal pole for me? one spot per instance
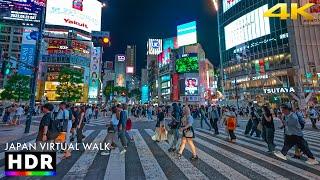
(33, 81)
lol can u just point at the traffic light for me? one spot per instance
(101, 39)
(6, 68)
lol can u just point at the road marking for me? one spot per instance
(246, 163)
(263, 149)
(151, 168)
(183, 164)
(279, 142)
(116, 166)
(81, 166)
(267, 159)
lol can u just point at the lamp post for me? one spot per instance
(33, 81)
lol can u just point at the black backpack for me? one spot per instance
(53, 129)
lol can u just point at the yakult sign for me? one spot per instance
(80, 14)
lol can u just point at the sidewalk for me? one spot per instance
(11, 133)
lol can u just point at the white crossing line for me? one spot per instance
(222, 168)
(246, 163)
(86, 133)
(116, 166)
(151, 168)
(81, 166)
(275, 162)
(183, 164)
(242, 142)
(279, 142)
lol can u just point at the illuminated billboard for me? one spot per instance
(120, 57)
(187, 33)
(94, 72)
(188, 63)
(246, 28)
(154, 46)
(171, 43)
(227, 4)
(130, 70)
(26, 10)
(191, 85)
(145, 94)
(80, 14)
(28, 50)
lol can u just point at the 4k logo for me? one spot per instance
(295, 11)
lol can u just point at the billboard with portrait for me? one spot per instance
(80, 14)
(246, 28)
(21, 10)
(154, 46)
(187, 33)
(191, 86)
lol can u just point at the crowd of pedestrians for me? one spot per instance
(175, 125)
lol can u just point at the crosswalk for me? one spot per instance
(218, 159)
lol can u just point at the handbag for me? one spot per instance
(188, 133)
(259, 127)
(61, 137)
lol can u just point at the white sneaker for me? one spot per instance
(312, 161)
(105, 153)
(280, 155)
(123, 151)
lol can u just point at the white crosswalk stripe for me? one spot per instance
(248, 152)
(184, 165)
(80, 168)
(150, 165)
(275, 162)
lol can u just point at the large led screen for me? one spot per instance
(191, 86)
(246, 28)
(21, 10)
(187, 34)
(188, 64)
(80, 14)
(154, 46)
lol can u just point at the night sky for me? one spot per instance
(134, 21)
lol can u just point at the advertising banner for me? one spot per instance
(145, 94)
(154, 46)
(227, 4)
(187, 33)
(246, 28)
(21, 10)
(191, 86)
(28, 50)
(170, 43)
(175, 87)
(80, 14)
(94, 73)
(314, 11)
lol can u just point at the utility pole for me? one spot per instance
(33, 81)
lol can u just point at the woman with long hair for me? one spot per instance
(187, 134)
(81, 123)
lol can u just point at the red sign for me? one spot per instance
(175, 87)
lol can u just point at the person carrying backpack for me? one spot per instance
(314, 115)
(230, 121)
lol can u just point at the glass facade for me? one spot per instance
(255, 51)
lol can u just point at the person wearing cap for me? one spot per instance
(293, 136)
(230, 121)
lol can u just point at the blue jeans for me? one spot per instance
(205, 119)
(174, 134)
(149, 116)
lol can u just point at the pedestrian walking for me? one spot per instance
(230, 122)
(174, 125)
(160, 132)
(249, 123)
(81, 123)
(44, 131)
(268, 129)
(187, 134)
(214, 118)
(294, 136)
(313, 115)
(204, 117)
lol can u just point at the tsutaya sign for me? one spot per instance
(279, 90)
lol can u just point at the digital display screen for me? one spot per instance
(21, 10)
(246, 28)
(227, 4)
(191, 85)
(187, 34)
(155, 46)
(80, 14)
(187, 64)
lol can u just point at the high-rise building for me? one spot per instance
(131, 56)
(267, 59)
